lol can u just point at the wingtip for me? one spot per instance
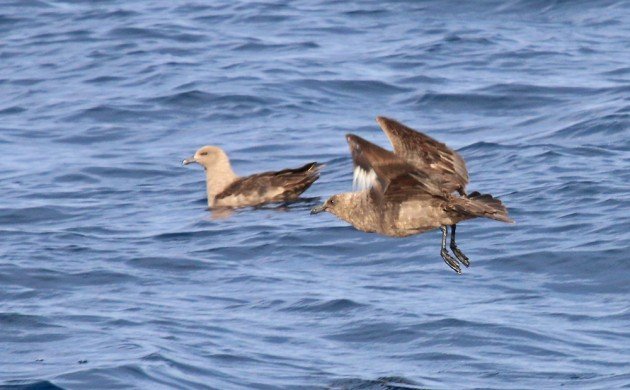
(507, 219)
(317, 166)
(352, 139)
(383, 121)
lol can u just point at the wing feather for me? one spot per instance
(427, 154)
(387, 175)
(274, 186)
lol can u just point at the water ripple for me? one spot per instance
(115, 275)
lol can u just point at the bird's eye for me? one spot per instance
(203, 153)
(332, 202)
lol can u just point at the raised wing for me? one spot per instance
(427, 154)
(387, 175)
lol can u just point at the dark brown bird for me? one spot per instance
(226, 190)
(410, 192)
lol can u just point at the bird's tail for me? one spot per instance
(482, 205)
(306, 175)
(313, 170)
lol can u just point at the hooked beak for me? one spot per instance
(318, 209)
(189, 160)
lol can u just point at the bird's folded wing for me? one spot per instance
(273, 183)
(426, 153)
(387, 175)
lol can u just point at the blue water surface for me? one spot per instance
(114, 275)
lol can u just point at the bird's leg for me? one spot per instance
(448, 259)
(460, 256)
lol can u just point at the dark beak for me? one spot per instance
(318, 209)
(189, 160)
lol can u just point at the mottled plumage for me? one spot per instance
(226, 189)
(444, 164)
(269, 187)
(397, 196)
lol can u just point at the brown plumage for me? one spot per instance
(398, 198)
(444, 164)
(226, 189)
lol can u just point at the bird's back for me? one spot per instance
(268, 187)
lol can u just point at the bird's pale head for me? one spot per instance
(207, 157)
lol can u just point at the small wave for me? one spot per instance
(607, 125)
(353, 87)
(508, 89)
(330, 306)
(258, 46)
(421, 79)
(381, 332)
(28, 385)
(29, 3)
(22, 81)
(361, 12)
(23, 321)
(382, 383)
(185, 235)
(104, 79)
(127, 173)
(153, 33)
(167, 263)
(95, 135)
(623, 71)
(10, 21)
(476, 102)
(98, 277)
(102, 14)
(483, 145)
(107, 114)
(197, 98)
(466, 39)
(519, 56)
(12, 110)
(262, 18)
(9, 216)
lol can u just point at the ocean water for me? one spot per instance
(113, 274)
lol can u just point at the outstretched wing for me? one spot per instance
(427, 154)
(387, 175)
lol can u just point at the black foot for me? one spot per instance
(450, 261)
(460, 256)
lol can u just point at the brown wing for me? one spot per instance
(427, 154)
(388, 176)
(278, 186)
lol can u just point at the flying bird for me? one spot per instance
(419, 187)
(227, 190)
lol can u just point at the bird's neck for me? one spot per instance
(218, 177)
(358, 210)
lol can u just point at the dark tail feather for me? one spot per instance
(313, 170)
(310, 168)
(312, 173)
(483, 205)
(302, 178)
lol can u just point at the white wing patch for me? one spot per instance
(362, 179)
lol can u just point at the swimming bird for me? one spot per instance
(404, 193)
(227, 190)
